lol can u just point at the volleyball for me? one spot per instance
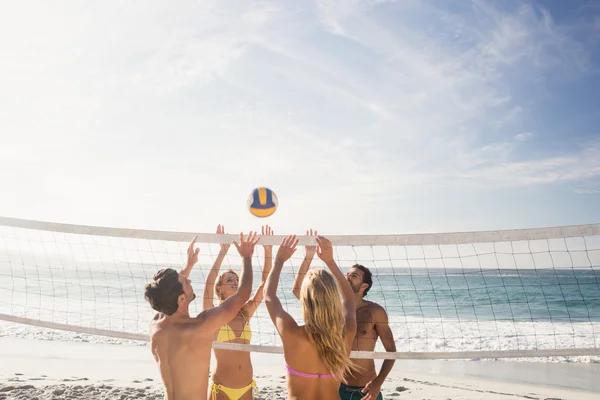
(262, 202)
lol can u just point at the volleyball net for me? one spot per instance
(495, 294)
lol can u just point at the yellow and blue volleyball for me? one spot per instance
(262, 202)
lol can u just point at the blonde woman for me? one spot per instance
(317, 354)
(232, 378)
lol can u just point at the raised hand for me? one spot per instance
(311, 248)
(266, 230)
(192, 254)
(324, 249)
(286, 249)
(224, 246)
(246, 246)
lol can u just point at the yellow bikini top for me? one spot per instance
(226, 334)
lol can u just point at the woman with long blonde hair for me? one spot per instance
(317, 354)
(232, 378)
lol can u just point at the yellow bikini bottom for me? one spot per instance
(233, 394)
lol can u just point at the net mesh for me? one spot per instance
(523, 293)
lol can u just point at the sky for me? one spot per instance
(364, 117)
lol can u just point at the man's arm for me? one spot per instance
(215, 317)
(192, 258)
(325, 253)
(309, 252)
(281, 319)
(255, 301)
(382, 328)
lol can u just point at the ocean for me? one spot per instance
(429, 309)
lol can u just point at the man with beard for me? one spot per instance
(181, 344)
(371, 324)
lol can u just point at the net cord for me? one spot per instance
(354, 354)
(417, 239)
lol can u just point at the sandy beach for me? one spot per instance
(44, 369)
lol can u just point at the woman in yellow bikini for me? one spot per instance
(232, 378)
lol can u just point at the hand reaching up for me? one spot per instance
(324, 250)
(246, 246)
(267, 231)
(310, 249)
(192, 254)
(224, 246)
(286, 249)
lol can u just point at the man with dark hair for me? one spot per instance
(164, 290)
(371, 324)
(367, 277)
(181, 344)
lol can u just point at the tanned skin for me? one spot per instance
(234, 368)
(371, 324)
(298, 349)
(181, 345)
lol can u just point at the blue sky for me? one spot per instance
(362, 116)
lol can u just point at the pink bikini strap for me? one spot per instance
(294, 372)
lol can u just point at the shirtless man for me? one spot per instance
(372, 323)
(181, 344)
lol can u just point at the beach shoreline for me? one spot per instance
(47, 369)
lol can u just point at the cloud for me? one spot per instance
(458, 89)
(338, 106)
(529, 36)
(591, 191)
(522, 137)
(578, 166)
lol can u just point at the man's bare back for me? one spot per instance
(181, 345)
(182, 352)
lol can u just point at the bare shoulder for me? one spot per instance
(376, 310)
(155, 324)
(298, 334)
(370, 307)
(203, 324)
(157, 333)
(203, 317)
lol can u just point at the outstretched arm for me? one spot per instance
(213, 318)
(281, 319)
(192, 258)
(309, 253)
(209, 286)
(255, 301)
(325, 253)
(387, 338)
